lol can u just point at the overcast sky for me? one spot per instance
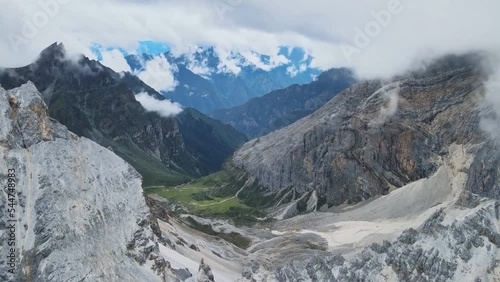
(375, 37)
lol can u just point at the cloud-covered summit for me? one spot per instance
(388, 35)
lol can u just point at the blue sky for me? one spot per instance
(113, 56)
(145, 47)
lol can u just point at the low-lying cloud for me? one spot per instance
(115, 60)
(490, 121)
(159, 74)
(388, 99)
(164, 108)
(391, 107)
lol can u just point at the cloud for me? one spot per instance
(391, 107)
(490, 121)
(198, 67)
(254, 59)
(292, 71)
(388, 98)
(228, 62)
(115, 60)
(164, 108)
(159, 74)
(324, 28)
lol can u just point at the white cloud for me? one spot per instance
(253, 59)
(490, 122)
(228, 62)
(388, 98)
(115, 60)
(390, 109)
(198, 67)
(322, 27)
(292, 71)
(159, 74)
(165, 108)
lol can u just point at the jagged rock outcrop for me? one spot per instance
(205, 273)
(446, 248)
(378, 136)
(79, 212)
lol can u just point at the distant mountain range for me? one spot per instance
(280, 108)
(206, 81)
(93, 101)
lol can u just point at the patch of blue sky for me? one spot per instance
(296, 55)
(153, 47)
(145, 47)
(97, 49)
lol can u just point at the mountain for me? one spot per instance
(388, 181)
(97, 103)
(77, 211)
(275, 110)
(206, 82)
(210, 141)
(104, 200)
(373, 137)
(407, 180)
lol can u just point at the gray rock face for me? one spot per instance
(484, 174)
(367, 142)
(377, 136)
(79, 211)
(205, 273)
(445, 249)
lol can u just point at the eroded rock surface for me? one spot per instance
(407, 178)
(80, 213)
(376, 136)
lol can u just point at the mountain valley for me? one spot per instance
(95, 102)
(369, 180)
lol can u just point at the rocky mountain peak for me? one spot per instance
(56, 51)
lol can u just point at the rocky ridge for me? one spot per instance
(279, 108)
(80, 213)
(429, 230)
(95, 102)
(374, 137)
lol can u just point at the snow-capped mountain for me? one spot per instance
(209, 79)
